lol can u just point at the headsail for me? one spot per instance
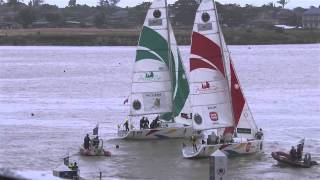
(159, 84)
(210, 98)
(244, 121)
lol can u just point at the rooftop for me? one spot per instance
(312, 11)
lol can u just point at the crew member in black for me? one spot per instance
(293, 153)
(86, 142)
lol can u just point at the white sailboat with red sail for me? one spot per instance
(220, 110)
(160, 88)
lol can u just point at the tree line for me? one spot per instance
(106, 14)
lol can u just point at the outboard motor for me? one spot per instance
(307, 159)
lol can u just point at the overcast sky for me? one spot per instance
(124, 3)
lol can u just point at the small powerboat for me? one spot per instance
(285, 158)
(67, 170)
(95, 150)
(94, 146)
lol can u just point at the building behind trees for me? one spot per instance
(311, 18)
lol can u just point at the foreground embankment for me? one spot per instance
(124, 37)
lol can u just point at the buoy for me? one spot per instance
(32, 114)
(218, 166)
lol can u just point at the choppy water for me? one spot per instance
(70, 89)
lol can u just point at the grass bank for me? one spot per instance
(129, 37)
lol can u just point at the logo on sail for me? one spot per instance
(197, 119)
(149, 75)
(155, 22)
(206, 85)
(205, 27)
(136, 105)
(186, 115)
(156, 103)
(213, 116)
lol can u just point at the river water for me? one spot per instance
(70, 89)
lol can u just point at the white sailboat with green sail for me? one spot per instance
(159, 83)
(220, 110)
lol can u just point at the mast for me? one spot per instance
(169, 57)
(223, 57)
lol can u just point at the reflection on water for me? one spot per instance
(70, 89)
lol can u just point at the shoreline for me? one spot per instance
(129, 37)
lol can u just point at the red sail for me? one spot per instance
(207, 49)
(237, 97)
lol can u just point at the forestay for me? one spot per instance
(159, 83)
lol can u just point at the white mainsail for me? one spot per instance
(210, 60)
(210, 97)
(159, 83)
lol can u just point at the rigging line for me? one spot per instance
(143, 114)
(221, 49)
(169, 52)
(149, 81)
(202, 105)
(134, 93)
(200, 82)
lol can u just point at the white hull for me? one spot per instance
(158, 133)
(239, 147)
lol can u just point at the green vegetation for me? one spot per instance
(32, 22)
(123, 37)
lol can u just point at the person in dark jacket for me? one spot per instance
(299, 152)
(126, 125)
(146, 123)
(86, 142)
(95, 142)
(142, 123)
(293, 154)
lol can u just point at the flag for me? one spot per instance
(66, 161)
(186, 116)
(95, 130)
(126, 101)
(301, 142)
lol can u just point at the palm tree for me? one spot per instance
(283, 2)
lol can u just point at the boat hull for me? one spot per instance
(94, 152)
(158, 133)
(64, 172)
(230, 149)
(284, 159)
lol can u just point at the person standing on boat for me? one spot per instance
(299, 152)
(95, 142)
(126, 125)
(86, 142)
(142, 123)
(259, 134)
(146, 123)
(293, 154)
(157, 122)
